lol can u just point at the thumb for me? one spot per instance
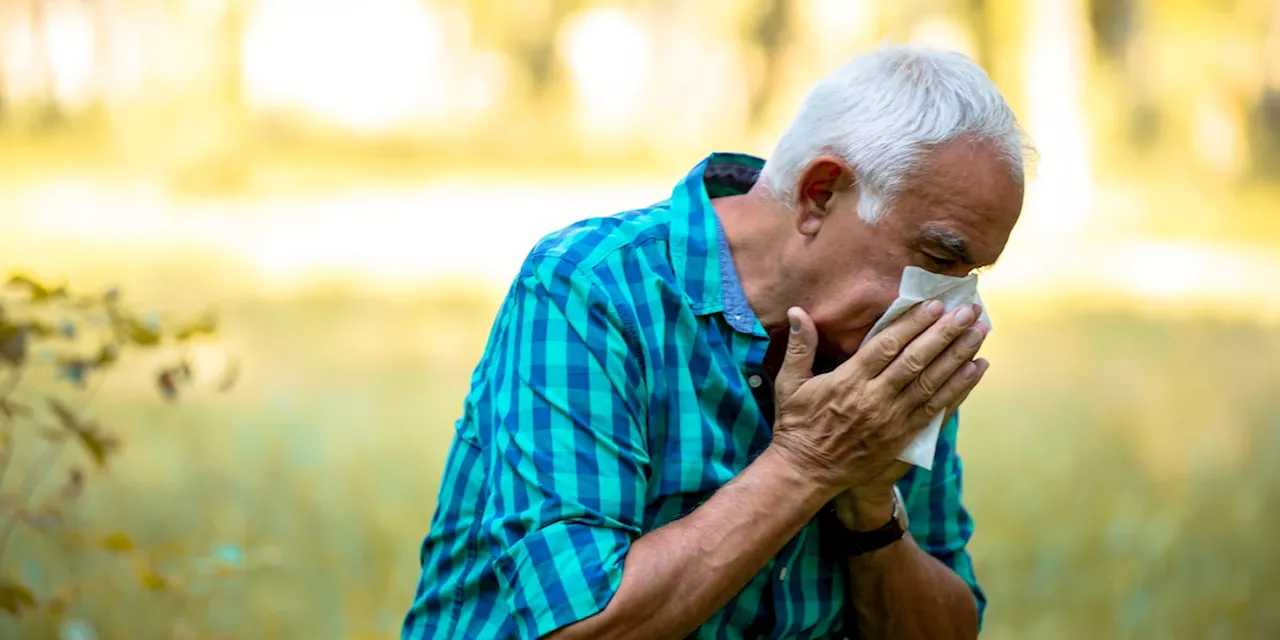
(802, 344)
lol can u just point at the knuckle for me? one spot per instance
(966, 351)
(914, 362)
(955, 363)
(890, 345)
(952, 331)
(925, 386)
(797, 347)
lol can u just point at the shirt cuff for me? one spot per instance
(561, 574)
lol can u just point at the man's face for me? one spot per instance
(954, 215)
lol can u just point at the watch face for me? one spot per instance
(900, 508)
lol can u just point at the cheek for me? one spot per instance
(875, 294)
(884, 283)
(886, 293)
(855, 305)
(862, 312)
(845, 294)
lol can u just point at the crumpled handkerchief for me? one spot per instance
(917, 286)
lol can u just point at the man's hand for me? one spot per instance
(870, 506)
(845, 429)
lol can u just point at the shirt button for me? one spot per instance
(755, 381)
(782, 574)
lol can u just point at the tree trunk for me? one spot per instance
(771, 31)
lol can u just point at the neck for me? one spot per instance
(755, 226)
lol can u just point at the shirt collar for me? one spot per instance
(699, 250)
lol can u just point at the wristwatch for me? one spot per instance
(855, 543)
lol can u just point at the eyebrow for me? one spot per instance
(949, 243)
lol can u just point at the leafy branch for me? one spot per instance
(79, 339)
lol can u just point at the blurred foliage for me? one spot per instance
(75, 339)
(1189, 84)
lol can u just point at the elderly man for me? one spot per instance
(675, 430)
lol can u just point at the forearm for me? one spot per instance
(902, 592)
(675, 577)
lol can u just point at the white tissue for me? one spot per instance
(917, 286)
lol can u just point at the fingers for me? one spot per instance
(884, 348)
(955, 406)
(922, 351)
(953, 391)
(983, 364)
(945, 365)
(802, 345)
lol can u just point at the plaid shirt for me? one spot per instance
(622, 384)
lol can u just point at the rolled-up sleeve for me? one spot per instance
(940, 524)
(568, 462)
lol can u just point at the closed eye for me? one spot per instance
(941, 264)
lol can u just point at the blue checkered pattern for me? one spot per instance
(617, 392)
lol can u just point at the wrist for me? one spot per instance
(807, 488)
(861, 527)
(809, 481)
(864, 511)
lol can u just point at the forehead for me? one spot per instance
(964, 189)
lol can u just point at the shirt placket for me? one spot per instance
(761, 385)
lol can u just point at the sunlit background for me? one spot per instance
(351, 185)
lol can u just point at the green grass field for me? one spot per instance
(1122, 469)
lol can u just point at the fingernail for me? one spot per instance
(972, 337)
(933, 308)
(964, 316)
(977, 309)
(794, 320)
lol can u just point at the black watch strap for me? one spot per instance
(855, 543)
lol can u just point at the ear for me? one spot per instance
(821, 180)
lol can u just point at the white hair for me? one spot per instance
(882, 111)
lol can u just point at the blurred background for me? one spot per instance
(349, 186)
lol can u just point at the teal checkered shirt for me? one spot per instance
(623, 383)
